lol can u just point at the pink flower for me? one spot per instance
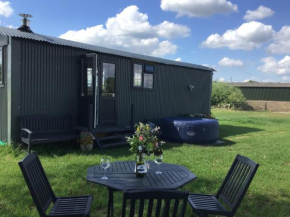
(141, 138)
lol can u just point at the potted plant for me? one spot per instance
(144, 142)
(86, 141)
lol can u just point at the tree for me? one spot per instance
(252, 81)
(223, 93)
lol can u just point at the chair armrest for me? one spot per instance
(29, 134)
(25, 130)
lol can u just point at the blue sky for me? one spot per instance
(255, 47)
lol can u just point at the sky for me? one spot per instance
(242, 40)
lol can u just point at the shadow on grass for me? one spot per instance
(225, 131)
(226, 142)
(63, 148)
(231, 130)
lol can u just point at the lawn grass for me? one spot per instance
(263, 137)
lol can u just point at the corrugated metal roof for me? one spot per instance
(244, 84)
(58, 41)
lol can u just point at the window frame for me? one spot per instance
(148, 88)
(143, 64)
(100, 78)
(2, 77)
(137, 87)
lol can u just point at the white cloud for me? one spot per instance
(247, 37)
(221, 79)
(12, 27)
(171, 30)
(268, 81)
(209, 66)
(165, 47)
(246, 81)
(230, 62)
(281, 43)
(285, 78)
(198, 8)
(178, 59)
(130, 30)
(273, 66)
(5, 9)
(261, 13)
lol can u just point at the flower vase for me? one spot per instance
(86, 148)
(142, 169)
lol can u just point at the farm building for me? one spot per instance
(267, 96)
(43, 75)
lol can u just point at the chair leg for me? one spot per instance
(200, 214)
(111, 203)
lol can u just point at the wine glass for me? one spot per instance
(105, 164)
(158, 159)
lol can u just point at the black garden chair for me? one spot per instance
(43, 195)
(162, 203)
(231, 192)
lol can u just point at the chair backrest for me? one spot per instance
(163, 203)
(237, 182)
(37, 183)
(48, 123)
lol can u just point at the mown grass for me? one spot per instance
(262, 136)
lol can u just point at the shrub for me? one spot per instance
(223, 93)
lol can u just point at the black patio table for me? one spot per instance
(121, 176)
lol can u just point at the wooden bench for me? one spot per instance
(47, 129)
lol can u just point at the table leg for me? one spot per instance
(111, 203)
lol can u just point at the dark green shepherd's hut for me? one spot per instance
(43, 75)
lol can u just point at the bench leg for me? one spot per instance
(29, 148)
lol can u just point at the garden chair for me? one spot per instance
(231, 192)
(43, 194)
(154, 199)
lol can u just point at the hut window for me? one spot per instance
(1, 66)
(148, 80)
(149, 68)
(90, 81)
(137, 75)
(108, 79)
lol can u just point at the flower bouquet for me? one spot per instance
(143, 143)
(147, 138)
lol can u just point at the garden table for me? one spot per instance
(121, 176)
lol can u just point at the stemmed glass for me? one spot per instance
(105, 164)
(158, 159)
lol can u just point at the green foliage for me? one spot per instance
(223, 93)
(252, 81)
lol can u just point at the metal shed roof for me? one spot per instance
(58, 41)
(244, 84)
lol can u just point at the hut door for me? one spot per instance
(108, 97)
(88, 109)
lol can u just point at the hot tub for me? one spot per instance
(189, 130)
